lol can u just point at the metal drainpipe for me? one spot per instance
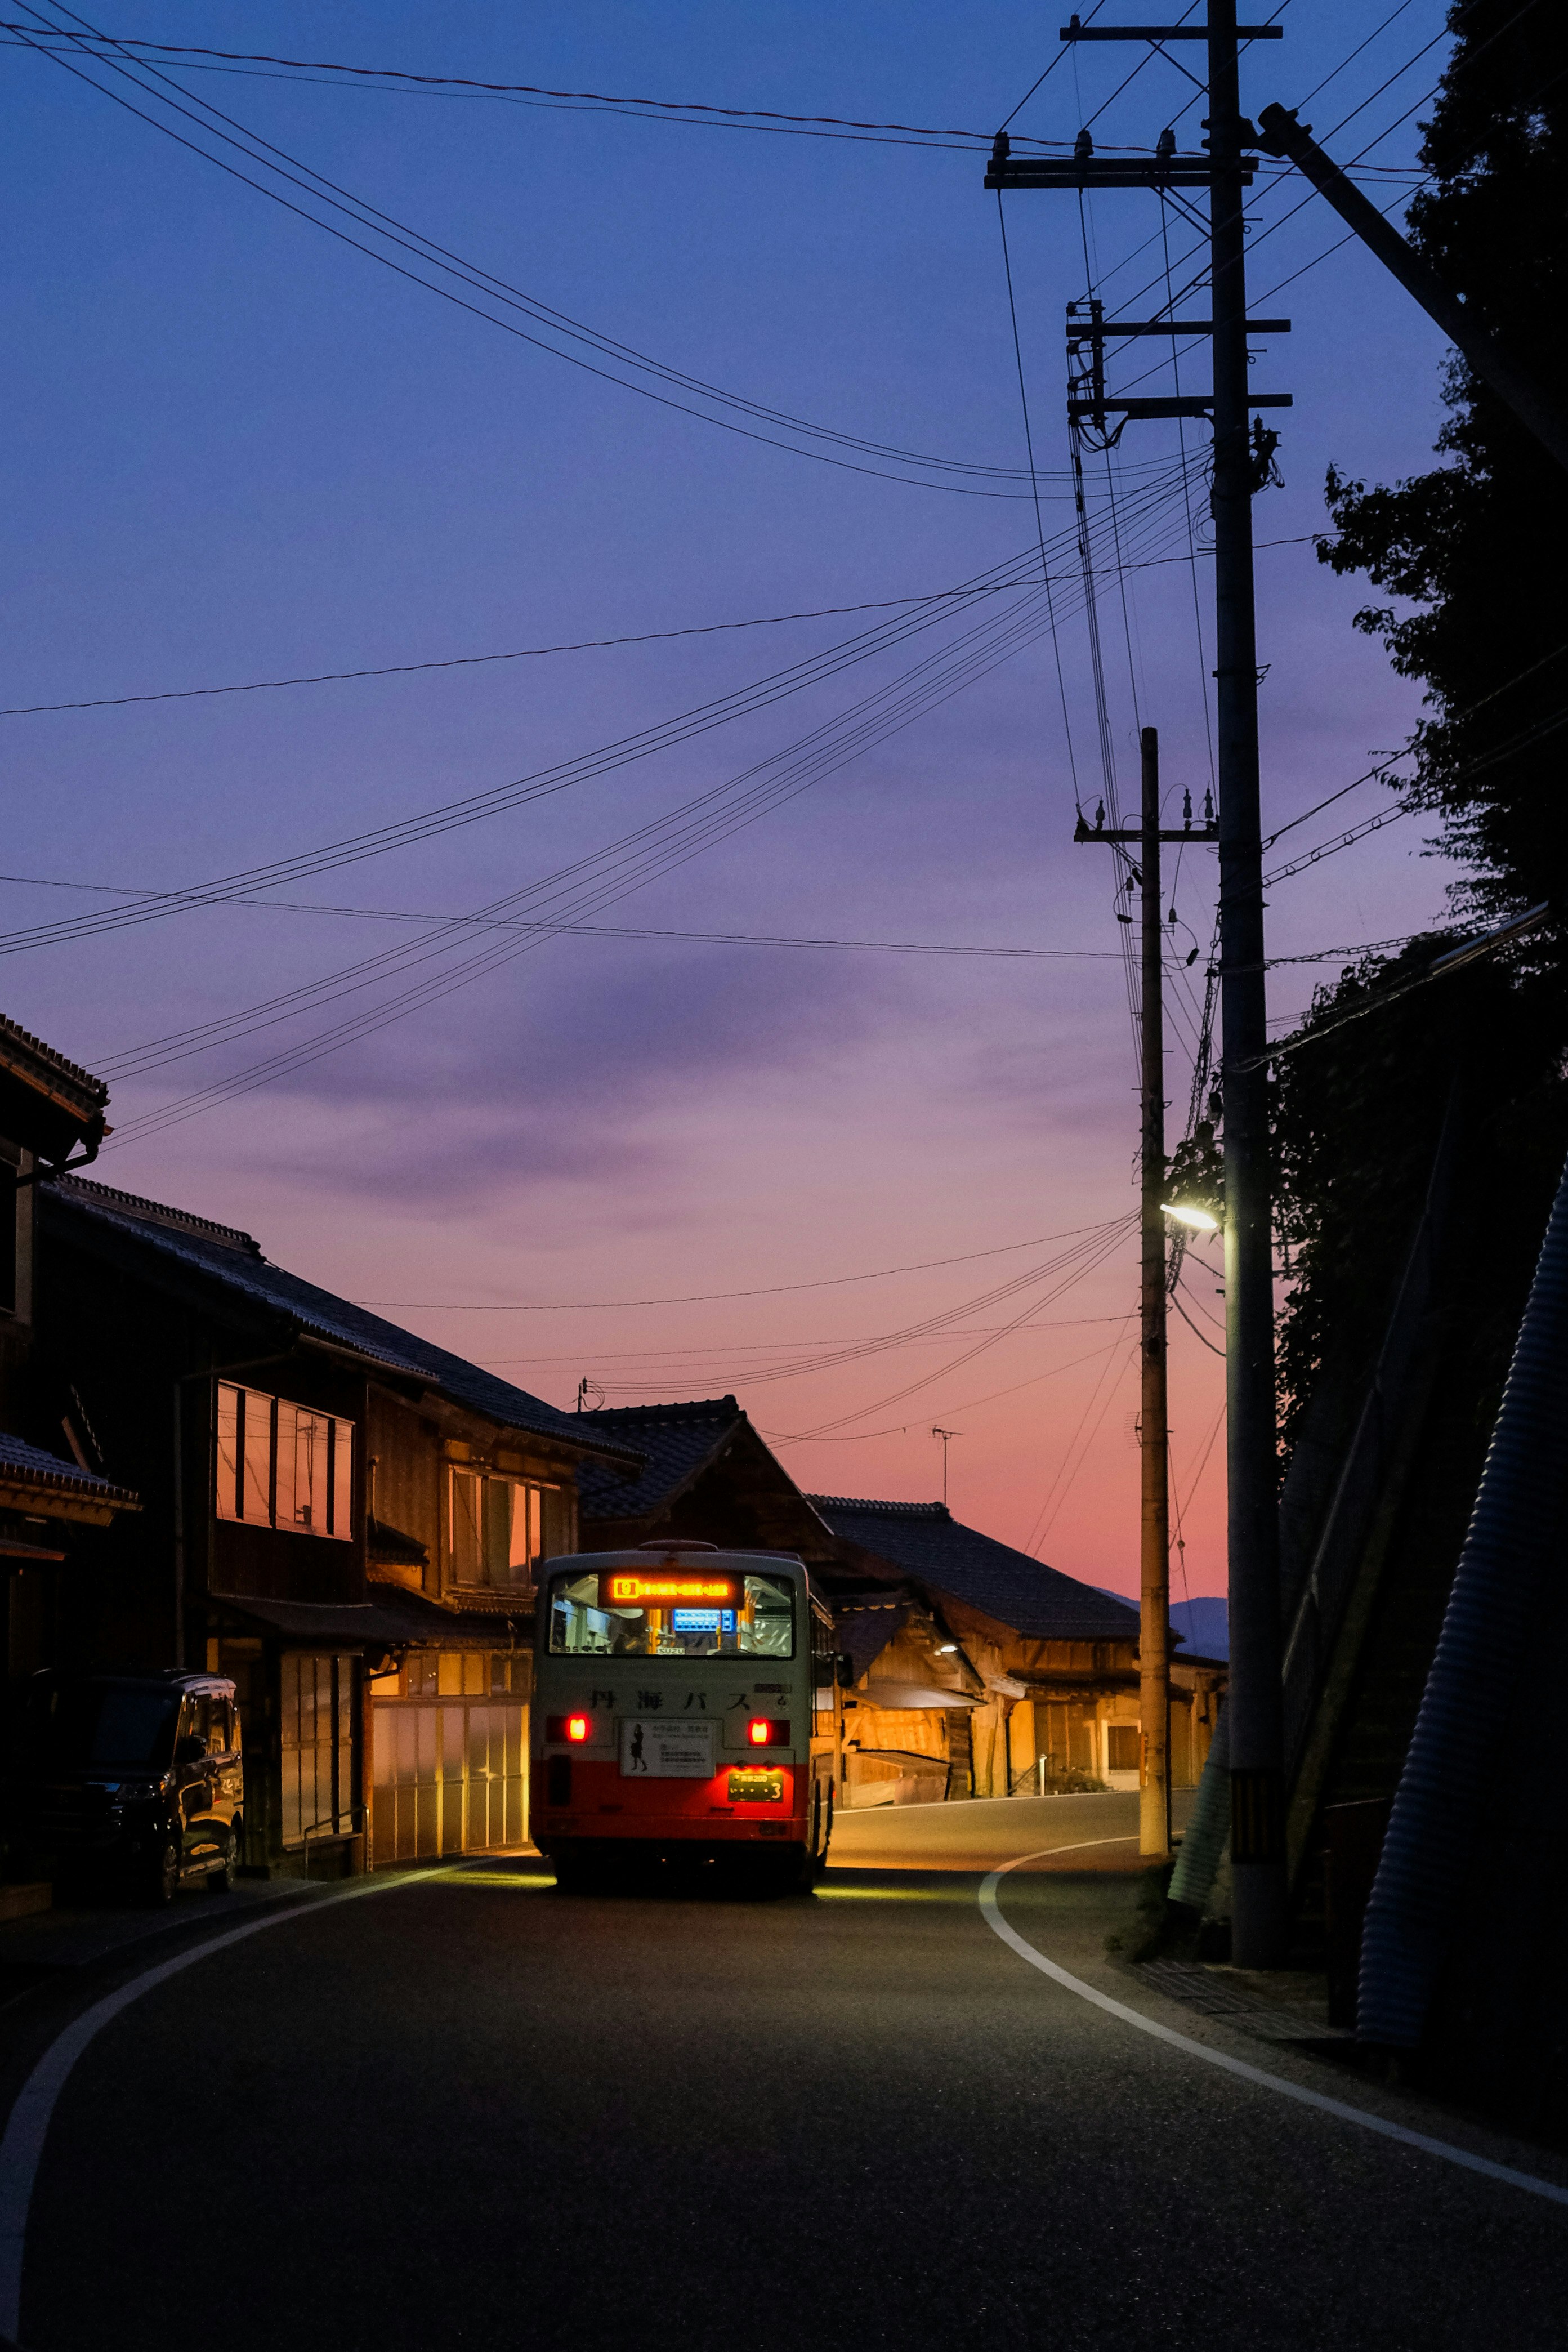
(1515, 1538)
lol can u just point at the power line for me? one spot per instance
(709, 1298)
(475, 661)
(965, 1404)
(773, 686)
(678, 105)
(1090, 1264)
(639, 855)
(585, 644)
(610, 930)
(371, 219)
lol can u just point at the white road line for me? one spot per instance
(27, 2127)
(991, 1912)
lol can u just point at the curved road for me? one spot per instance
(466, 2110)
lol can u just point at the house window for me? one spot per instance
(1120, 1746)
(318, 1701)
(283, 1464)
(494, 1529)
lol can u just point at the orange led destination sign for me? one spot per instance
(661, 1589)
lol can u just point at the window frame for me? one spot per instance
(516, 1576)
(247, 1489)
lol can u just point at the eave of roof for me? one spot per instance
(65, 1084)
(22, 1465)
(224, 1256)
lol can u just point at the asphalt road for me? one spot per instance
(468, 2110)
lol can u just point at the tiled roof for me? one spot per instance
(234, 1260)
(928, 1542)
(676, 1442)
(30, 1058)
(52, 1472)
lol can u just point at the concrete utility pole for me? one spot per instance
(1258, 1846)
(1259, 1918)
(1155, 1589)
(1155, 1550)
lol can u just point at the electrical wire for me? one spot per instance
(1089, 1264)
(697, 825)
(763, 114)
(372, 220)
(710, 1297)
(619, 930)
(757, 694)
(475, 661)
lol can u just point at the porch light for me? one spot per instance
(946, 1649)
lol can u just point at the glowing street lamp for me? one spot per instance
(1190, 1212)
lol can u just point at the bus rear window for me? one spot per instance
(670, 1613)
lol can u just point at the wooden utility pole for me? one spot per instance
(1155, 1582)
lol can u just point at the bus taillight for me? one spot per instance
(572, 1728)
(766, 1731)
(576, 1727)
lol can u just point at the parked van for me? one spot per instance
(134, 1778)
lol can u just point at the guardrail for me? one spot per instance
(328, 1825)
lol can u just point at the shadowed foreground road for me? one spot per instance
(471, 2111)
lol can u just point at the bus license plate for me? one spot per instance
(665, 1751)
(754, 1786)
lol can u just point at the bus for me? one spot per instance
(687, 1709)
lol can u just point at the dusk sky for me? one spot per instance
(239, 449)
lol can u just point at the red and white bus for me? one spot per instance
(686, 1706)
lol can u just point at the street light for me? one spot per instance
(1189, 1213)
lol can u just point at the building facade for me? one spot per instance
(56, 1504)
(346, 1519)
(981, 1672)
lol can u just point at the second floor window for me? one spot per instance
(284, 1465)
(497, 1529)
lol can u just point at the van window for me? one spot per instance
(97, 1726)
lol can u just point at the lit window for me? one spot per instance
(497, 1529)
(281, 1464)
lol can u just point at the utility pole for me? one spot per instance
(1259, 1925)
(1154, 1429)
(1155, 1549)
(1224, 168)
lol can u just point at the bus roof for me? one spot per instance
(674, 1555)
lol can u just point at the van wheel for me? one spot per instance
(222, 1880)
(164, 1877)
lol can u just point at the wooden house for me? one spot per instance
(981, 1672)
(344, 1517)
(56, 1502)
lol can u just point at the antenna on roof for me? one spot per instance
(945, 1435)
(589, 1395)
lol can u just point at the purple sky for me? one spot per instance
(240, 450)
